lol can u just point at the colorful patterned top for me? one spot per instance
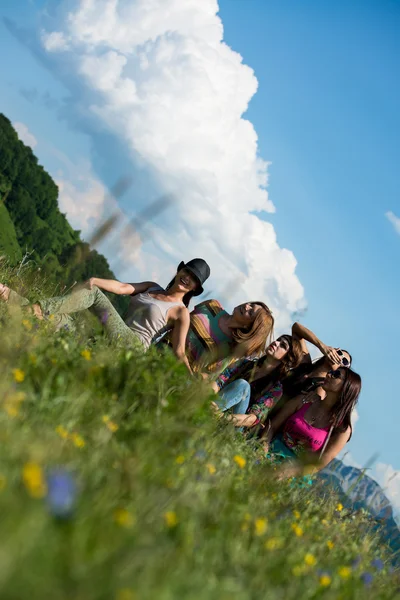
(263, 399)
(206, 344)
(299, 436)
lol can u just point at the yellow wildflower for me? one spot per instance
(344, 572)
(125, 594)
(19, 375)
(310, 560)
(273, 544)
(171, 520)
(297, 530)
(240, 461)
(180, 459)
(34, 481)
(113, 427)
(330, 544)
(27, 324)
(124, 518)
(325, 580)
(296, 514)
(211, 468)
(86, 354)
(12, 410)
(260, 526)
(78, 440)
(339, 507)
(3, 482)
(62, 432)
(325, 522)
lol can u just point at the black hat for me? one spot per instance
(200, 269)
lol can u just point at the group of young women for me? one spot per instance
(299, 410)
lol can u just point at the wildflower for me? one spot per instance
(297, 530)
(86, 354)
(104, 317)
(180, 459)
(339, 507)
(325, 580)
(3, 482)
(62, 432)
(171, 520)
(211, 468)
(330, 544)
(12, 410)
(366, 578)
(378, 564)
(273, 544)
(296, 514)
(240, 461)
(61, 493)
(78, 440)
(325, 522)
(124, 518)
(113, 427)
(344, 572)
(125, 594)
(260, 526)
(19, 375)
(32, 476)
(310, 560)
(27, 324)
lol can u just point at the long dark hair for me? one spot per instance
(252, 341)
(186, 298)
(341, 412)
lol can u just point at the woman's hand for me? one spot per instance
(214, 387)
(331, 354)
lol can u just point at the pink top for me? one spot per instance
(299, 435)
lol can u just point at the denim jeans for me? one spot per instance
(235, 396)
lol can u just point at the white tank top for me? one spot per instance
(147, 317)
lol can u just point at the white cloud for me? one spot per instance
(160, 78)
(395, 221)
(24, 134)
(389, 479)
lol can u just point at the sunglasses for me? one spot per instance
(283, 343)
(345, 361)
(335, 374)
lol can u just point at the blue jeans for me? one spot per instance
(235, 395)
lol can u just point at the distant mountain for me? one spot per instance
(356, 491)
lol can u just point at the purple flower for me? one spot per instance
(61, 496)
(378, 564)
(104, 317)
(366, 578)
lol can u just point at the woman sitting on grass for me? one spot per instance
(152, 309)
(309, 376)
(313, 430)
(216, 337)
(251, 388)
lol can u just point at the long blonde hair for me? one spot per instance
(252, 341)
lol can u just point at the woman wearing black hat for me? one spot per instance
(151, 311)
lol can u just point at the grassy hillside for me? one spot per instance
(116, 482)
(9, 245)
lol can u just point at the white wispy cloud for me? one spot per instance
(395, 221)
(160, 78)
(24, 134)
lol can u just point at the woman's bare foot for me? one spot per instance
(4, 292)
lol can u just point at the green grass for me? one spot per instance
(171, 503)
(8, 238)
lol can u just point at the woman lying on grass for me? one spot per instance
(152, 309)
(251, 388)
(313, 430)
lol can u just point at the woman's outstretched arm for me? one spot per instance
(179, 332)
(117, 287)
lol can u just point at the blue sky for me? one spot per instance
(326, 115)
